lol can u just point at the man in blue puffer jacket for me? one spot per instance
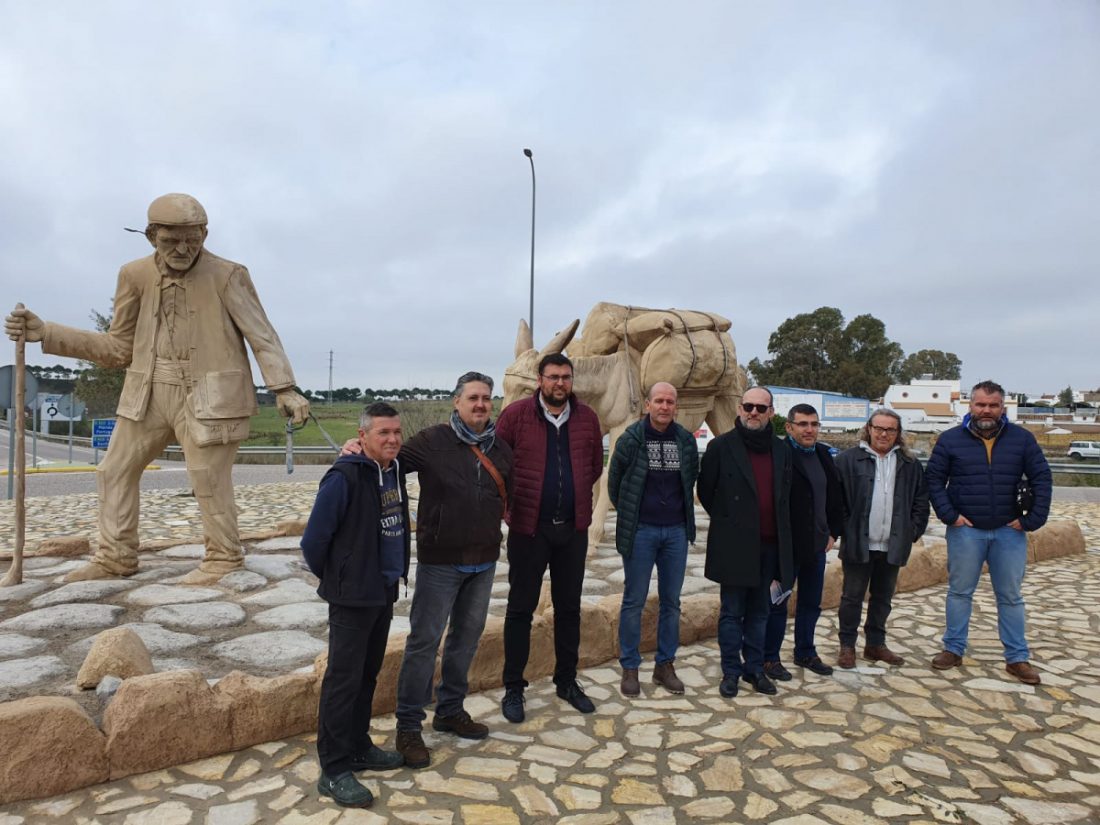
(972, 477)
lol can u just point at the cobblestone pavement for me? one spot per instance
(877, 744)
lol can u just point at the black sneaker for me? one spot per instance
(760, 683)
(728, 686)
(576, 697)
(815, 664)
(377, 759)
(345, 790)
(512, 705)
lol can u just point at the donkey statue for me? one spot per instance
(625, 350)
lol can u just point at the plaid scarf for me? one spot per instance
(483, 439)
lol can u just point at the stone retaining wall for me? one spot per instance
(52, 746)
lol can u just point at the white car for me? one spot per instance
(1083, 449)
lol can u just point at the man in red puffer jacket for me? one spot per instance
(558, 457)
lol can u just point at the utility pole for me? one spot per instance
(330, 377)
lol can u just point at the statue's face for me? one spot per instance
(178, 246)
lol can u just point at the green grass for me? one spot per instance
(341, 421)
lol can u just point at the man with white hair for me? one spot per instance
(886, 510)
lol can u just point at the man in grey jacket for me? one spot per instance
(886, 510)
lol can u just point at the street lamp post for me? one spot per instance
(531, 304)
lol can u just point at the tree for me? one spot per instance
(99, 387)
(1065, 397)
(940, 365)
(816, 350)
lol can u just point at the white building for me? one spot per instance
(836, 411)
(933, 405)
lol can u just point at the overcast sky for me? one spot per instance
(934, 164)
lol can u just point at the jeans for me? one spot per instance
(563, 549)
(1005, 551)
(741, 625)
(882, 577)
(441, 593)
(666, 547)
(810, 580)
(356, 647)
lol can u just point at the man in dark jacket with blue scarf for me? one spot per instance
(651, 482)
(357, 543)
(973, 476)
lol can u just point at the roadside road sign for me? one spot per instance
(101, 432)
(7, 386)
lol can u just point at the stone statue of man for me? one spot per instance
(181, 319)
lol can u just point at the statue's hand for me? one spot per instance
(293, 406)
(22, 322)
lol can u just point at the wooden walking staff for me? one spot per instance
(15, 572)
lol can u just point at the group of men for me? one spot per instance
(182, 318)
(535, 467)
(776, 507)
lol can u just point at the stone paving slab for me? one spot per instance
(874, 745)
(655, 759)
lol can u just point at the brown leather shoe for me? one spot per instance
(946, 660)
(665, 676)
(1024, 672)
(461, 725)
(410, 744)
(881, 653)
(847, 658)
(629, 685)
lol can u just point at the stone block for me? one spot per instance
(487, 668)
(1055, 539)
(291, 527)
(118, 651)
(165, 719)
(263, 710)
(64, 546)
(51, 746)
(600, 632)
(830, 592)
(925, 568)
(699, 617)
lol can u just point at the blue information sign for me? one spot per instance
(101, 432)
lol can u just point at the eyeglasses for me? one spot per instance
(884, 430)
(760, 408)
(811, 424)
(557, 379)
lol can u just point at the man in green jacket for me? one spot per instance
(651, 481)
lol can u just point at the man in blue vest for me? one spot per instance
(357, 543)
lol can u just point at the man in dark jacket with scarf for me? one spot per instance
(651, 482)
(886, 502)
(357, 543)
(558, 449)
(973, 476)
(745, 486)
(817, 517)
(464, 472)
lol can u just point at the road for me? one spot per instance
(171, 475)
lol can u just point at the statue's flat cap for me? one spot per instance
(177, 210)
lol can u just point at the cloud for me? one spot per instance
(935, 165)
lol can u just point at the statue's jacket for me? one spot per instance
(224, 311)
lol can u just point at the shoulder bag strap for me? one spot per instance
(494, 472)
